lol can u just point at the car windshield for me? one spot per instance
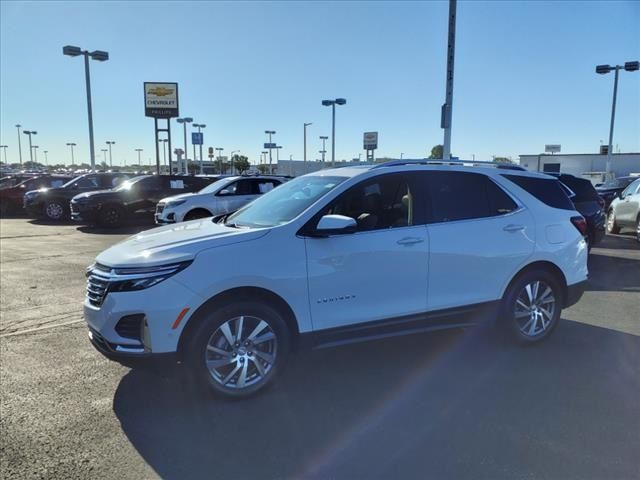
(72, 181)
(617, 182)
(127, 184)
(284, 203)
(215, 186)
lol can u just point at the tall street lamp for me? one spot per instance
(278, 147)
(602, 70)
(263, 158)
(71, 145)
(270, 132)
(305, 146)
(219, 150)
(139, 150)
(199, 126)
(35, 153)
(4, 149)
(110, 142)
(184, 121)
(104, 155)
(46, 159)
(231, 159)
(100, 56)
(30, 132)
(324, 148)
(332, 104)
(19, 144)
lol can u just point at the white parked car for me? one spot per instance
(223, 196)
(337, 256)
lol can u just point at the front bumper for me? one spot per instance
(574, 293)
(83, 213)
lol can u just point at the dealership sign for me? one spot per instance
(553, 148)
(160, 100)
(370, 140)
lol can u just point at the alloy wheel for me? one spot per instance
(241, 352)
(54, 211)
(534, 309)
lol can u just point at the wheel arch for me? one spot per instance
(546, 266)
(253, 293)
(198, 209)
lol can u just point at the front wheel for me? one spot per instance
(638, 229)
(531, 307)
(612, 226)
(111, 216)
(55, 210)
(238, 348)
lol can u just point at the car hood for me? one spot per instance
(174, 243)
(95, 195)
(182, 196)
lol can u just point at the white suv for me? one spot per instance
(338, 256)
(223, 196)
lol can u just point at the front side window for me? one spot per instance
(380, 203)
(87, 182)
(631, 189)
(283, 204)
(464, 196)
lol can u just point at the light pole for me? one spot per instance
(100, 56)
(35, 153)
(104, 155)
(231, 159)
(447, 109)
(278, 147)
(164, 150)
(219, 150)
(110, 142)
(604, 69)
(264, 157)
(30, 132)
(46, 159)
(401, 155)
(71, 145)
(332, 104)
(324, 148)
(184, 121)
(305, 146)
(139, 150)
(4, 149)
(270, 132)
(199, 126)
(19, 144)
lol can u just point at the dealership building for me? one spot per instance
(588, 165)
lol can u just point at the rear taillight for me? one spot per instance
(581, 224)
(601, 202)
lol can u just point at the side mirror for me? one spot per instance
(224, 192)
(336, 225)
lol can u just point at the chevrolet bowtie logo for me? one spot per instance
(160, 91)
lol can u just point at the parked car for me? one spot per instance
(586, 200)
(53, 203)
(338, 256)
(612, 188)
(138, 196)
(224, 196)
(11, 198)
(15, 178)
(624, 211)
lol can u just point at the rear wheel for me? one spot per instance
(531, 306)
(55, 210)
(238, 348)
(612, 226)
(638, 229)
(111, 216)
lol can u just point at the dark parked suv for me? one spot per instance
(53, 203)
(111, 208)
(586, 200)
(11, 198)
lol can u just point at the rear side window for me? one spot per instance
(463, 196)
(548, 191)
(583, 189)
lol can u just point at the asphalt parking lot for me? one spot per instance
(457, 404)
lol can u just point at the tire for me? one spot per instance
(196, 214)
(54, 210)
(528, 325)
(111, 216)
(612, 226)
(220, 363)
(638, 229)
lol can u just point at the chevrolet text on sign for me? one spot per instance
(161, 100)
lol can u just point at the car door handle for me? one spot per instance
(409, 240)
(513, 228)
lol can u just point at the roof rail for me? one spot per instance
(459, 163)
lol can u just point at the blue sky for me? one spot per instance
(524, 74)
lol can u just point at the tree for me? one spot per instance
(241, 163)
(264, 168)
(436, 152)
(502, 159)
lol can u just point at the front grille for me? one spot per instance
(130, 326)
(97, 284)
(160, 208)
(74, 208)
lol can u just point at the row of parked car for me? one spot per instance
(111, 199)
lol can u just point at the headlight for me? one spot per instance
(132, 279)
(175, 203)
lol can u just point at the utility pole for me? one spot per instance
(305, 145)
(447, 108)
(19, 144)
